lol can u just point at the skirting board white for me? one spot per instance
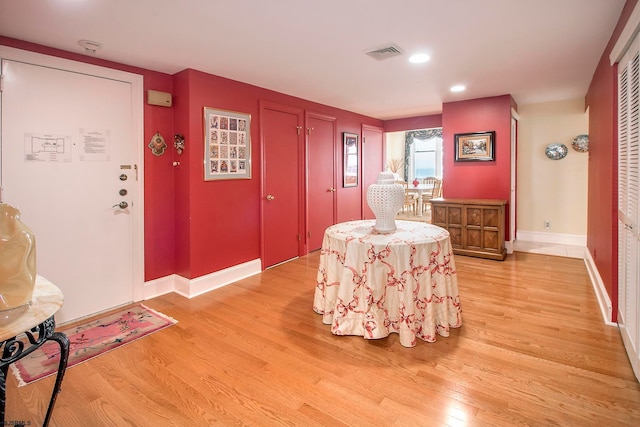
(508, 245)
(598, 287)
(200, 285)
(555, 238)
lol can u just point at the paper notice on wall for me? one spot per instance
(47, 148)
(95, 145)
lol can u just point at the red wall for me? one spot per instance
(413, 123)
(602, 208)
(478, 180)
(218, 222)
(195, 227)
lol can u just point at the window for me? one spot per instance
(414, 154)
(426, 158)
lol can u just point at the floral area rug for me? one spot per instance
(90, 339)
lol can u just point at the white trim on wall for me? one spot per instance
(606, 308)
(626, 37)
(554, 238)
(190, 288)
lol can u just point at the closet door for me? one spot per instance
(281, 138)
(372, 163)
(628, 190)
(321, 177)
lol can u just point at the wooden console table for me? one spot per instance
(476, 226)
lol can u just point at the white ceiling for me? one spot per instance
(535, 50)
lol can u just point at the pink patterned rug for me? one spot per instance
(91, 339)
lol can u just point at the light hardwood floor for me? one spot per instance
(533, 350)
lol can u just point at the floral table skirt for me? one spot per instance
(373, 284)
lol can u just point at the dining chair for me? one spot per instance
(430, 180)
(410, 202)
(435, 192)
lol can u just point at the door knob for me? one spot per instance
(270, 197)
(122, 205)
(331, 190)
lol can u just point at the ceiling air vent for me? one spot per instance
(385, 52)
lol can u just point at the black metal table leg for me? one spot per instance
(63, 341)
(14, 349)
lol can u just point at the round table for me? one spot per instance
(372, 284)
(26, 328)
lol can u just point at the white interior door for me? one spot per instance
(68, 160)
(628, 202)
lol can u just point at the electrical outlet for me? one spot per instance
(547, 223)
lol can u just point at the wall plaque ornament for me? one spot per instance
(157, 144)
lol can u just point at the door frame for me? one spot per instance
(513, 186)
(364, 185)
(137, 108)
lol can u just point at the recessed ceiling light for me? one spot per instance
(419, 58)
(457, 88)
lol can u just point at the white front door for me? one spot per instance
(69, 159)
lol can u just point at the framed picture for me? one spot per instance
(227, 145)
(350, 173)
(473, 147)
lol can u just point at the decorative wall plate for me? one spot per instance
(556, 151)
(581, 143)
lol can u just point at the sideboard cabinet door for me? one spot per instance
(449, 217)
(476, 226)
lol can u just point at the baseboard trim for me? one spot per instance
(606, 308)
(160, 286)
(555, 238)
(190, 288)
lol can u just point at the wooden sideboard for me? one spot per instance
(476, 226)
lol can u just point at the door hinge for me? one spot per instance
(1, 83)
(299, 237)
(309, 234)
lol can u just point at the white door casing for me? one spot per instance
(69, 131)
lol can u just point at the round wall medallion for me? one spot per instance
(581, 143)
(556, 151)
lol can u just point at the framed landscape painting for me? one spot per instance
(474, 147)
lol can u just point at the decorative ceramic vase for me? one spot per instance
(385, 198)
(17, 260)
